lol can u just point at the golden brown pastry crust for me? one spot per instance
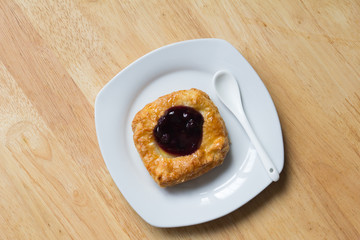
(169, 170)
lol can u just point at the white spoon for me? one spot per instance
(227, 90)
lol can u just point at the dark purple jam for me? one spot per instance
(179, 130)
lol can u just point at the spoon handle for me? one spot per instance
(267, 163)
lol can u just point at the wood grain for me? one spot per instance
(55, 56)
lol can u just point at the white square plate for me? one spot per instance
(185, 65)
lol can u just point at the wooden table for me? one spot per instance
(55, 56)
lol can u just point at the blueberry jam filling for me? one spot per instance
(179, 130)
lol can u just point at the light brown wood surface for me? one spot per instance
(55, 56)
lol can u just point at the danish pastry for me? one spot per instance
(180, 136)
